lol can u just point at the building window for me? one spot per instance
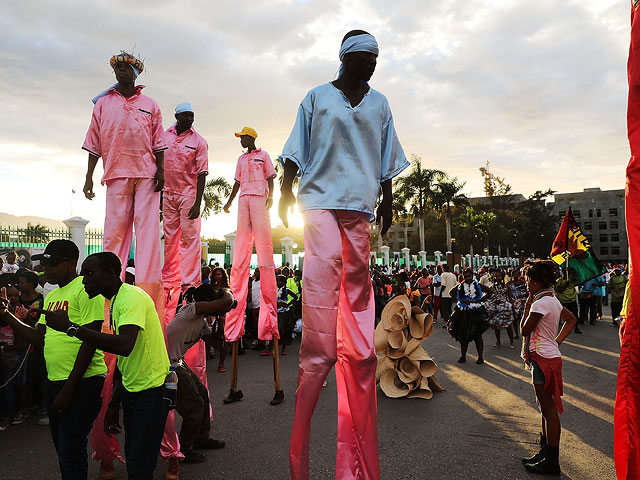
(590, 213)
(604, 250)
(589, 238)
(588, 225)
(615, 250)
(576, 213)
(615, 237)
(602, 225)
(613, 225)
(604, 237)
(598, 213)
(613, 212)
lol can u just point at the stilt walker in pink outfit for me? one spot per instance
(345, 149)
(126, 131)
(254, 179)
(186, 166)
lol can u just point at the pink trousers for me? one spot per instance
(253, 223)
(338, 319)
(182, 251)
(132, 202)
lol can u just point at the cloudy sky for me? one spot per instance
(538, 89)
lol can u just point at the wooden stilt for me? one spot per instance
(234, 367)
(276, 365)
(234, 393)
(279, 395)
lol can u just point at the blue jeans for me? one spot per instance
(144, 415)
(71, 429)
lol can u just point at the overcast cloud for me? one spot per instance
(536, 88)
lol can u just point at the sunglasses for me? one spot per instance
(54, 262)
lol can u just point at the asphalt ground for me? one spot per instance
(478, 429)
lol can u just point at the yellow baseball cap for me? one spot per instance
(247, 131)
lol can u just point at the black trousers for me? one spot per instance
(144, 415)
(70, 430)
(193, 407)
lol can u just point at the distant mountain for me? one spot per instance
(7, 220)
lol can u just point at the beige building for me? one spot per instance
(601, 215)
(398, 236)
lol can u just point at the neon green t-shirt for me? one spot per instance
(148, 363)
(60, 350)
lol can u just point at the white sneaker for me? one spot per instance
(44, 421)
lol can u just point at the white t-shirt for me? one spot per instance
(543, 338)
(184, 331)
(437, 279)
(449, 281)
(255, 293)
(484, 280)
(10, 268)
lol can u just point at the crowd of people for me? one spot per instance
(466, 304)
(96, 355)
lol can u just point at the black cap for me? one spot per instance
(57, 250)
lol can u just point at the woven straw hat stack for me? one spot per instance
(405, 369)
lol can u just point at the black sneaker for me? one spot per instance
(193, 457)
(535, 458)
(210, 444)
(277, 398)
(543, 467)
(542, 441)
(233, 396)
(577, 330)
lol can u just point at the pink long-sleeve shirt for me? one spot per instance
(126, 133)
(252, 172)
(186, 158)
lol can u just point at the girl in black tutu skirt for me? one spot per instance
(469, 319)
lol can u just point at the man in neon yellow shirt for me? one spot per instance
(143, 363)
(75, 369)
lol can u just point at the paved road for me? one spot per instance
(479, 428)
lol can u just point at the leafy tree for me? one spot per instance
(469, 228)
(535, 226)
(215, 193)
(415, 191)
(447, 194)
(34, 233)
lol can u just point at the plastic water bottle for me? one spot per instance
(170, 393)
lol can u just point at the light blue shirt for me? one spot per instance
(343, 153)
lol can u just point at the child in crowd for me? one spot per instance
(541, 354)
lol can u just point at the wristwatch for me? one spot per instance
(73, 330)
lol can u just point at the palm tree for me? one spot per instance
(415, 191)
(215, 192)
(35, 233)
(468, 224)
(487, 222)
(447, 195)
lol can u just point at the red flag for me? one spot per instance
(627, 410)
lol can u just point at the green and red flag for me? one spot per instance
(572, 244)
